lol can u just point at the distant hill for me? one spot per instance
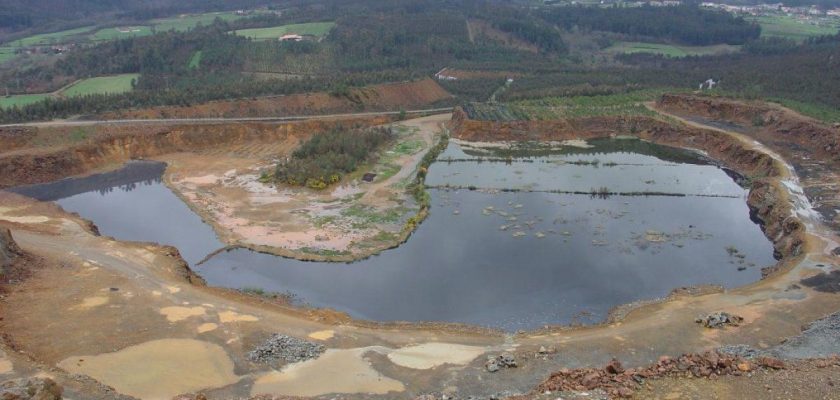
(18, 15)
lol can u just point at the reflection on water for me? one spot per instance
(133, 204)
(512, 260)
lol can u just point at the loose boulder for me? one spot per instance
(495, 363)
(30, 389)
(719, 320)
(9, 250)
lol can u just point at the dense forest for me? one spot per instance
(373, 42)
(686, 24)
(43, 14)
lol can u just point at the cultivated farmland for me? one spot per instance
(670, 50)
(319, 29)
(792, 28)
(101, 85)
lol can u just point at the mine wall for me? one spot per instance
(31, 166)
(820, 139)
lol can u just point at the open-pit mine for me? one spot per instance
(468, 257)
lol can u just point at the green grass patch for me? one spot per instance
(409, 147)
(101, 85)
(21, 100)
(186, 22)
(50, 38)
(630, 103)
(6, 54)
(792, 28)
(79, 135)
(366, 215)
(195, 60)
(121, 32)
(816, 111)
(319, 29)
(670, 50)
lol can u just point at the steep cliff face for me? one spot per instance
(43, 165)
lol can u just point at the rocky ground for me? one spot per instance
(286, 350)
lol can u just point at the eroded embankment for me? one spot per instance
(810, 146)
(767, 198)
(383, 97)
(820, 139)
(29, 162)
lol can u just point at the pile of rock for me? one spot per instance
(285, 348)
(719, 320)
(620, 382)
(30, 389)
(504, 360)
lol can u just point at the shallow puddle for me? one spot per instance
(335, 371)
(430, 355)
(159, 369)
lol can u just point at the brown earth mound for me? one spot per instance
(384, 97)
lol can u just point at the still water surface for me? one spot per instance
(505, 259)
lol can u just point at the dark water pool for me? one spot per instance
(499, 258)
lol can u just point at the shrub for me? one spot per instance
(327, 156)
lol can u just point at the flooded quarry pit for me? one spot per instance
(518, 237)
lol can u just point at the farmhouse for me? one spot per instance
(291, 38)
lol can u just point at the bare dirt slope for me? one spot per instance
(389, 96)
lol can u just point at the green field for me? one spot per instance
(631, 103)
(121, 32)
(101, 85)
(6, 54)
(792, 28)
(273, 33)
(669, 50)
(21, 100)
(186, 22)
(195, 60)
(49, 38)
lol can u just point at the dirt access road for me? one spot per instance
(169, 121)
(132, 316)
